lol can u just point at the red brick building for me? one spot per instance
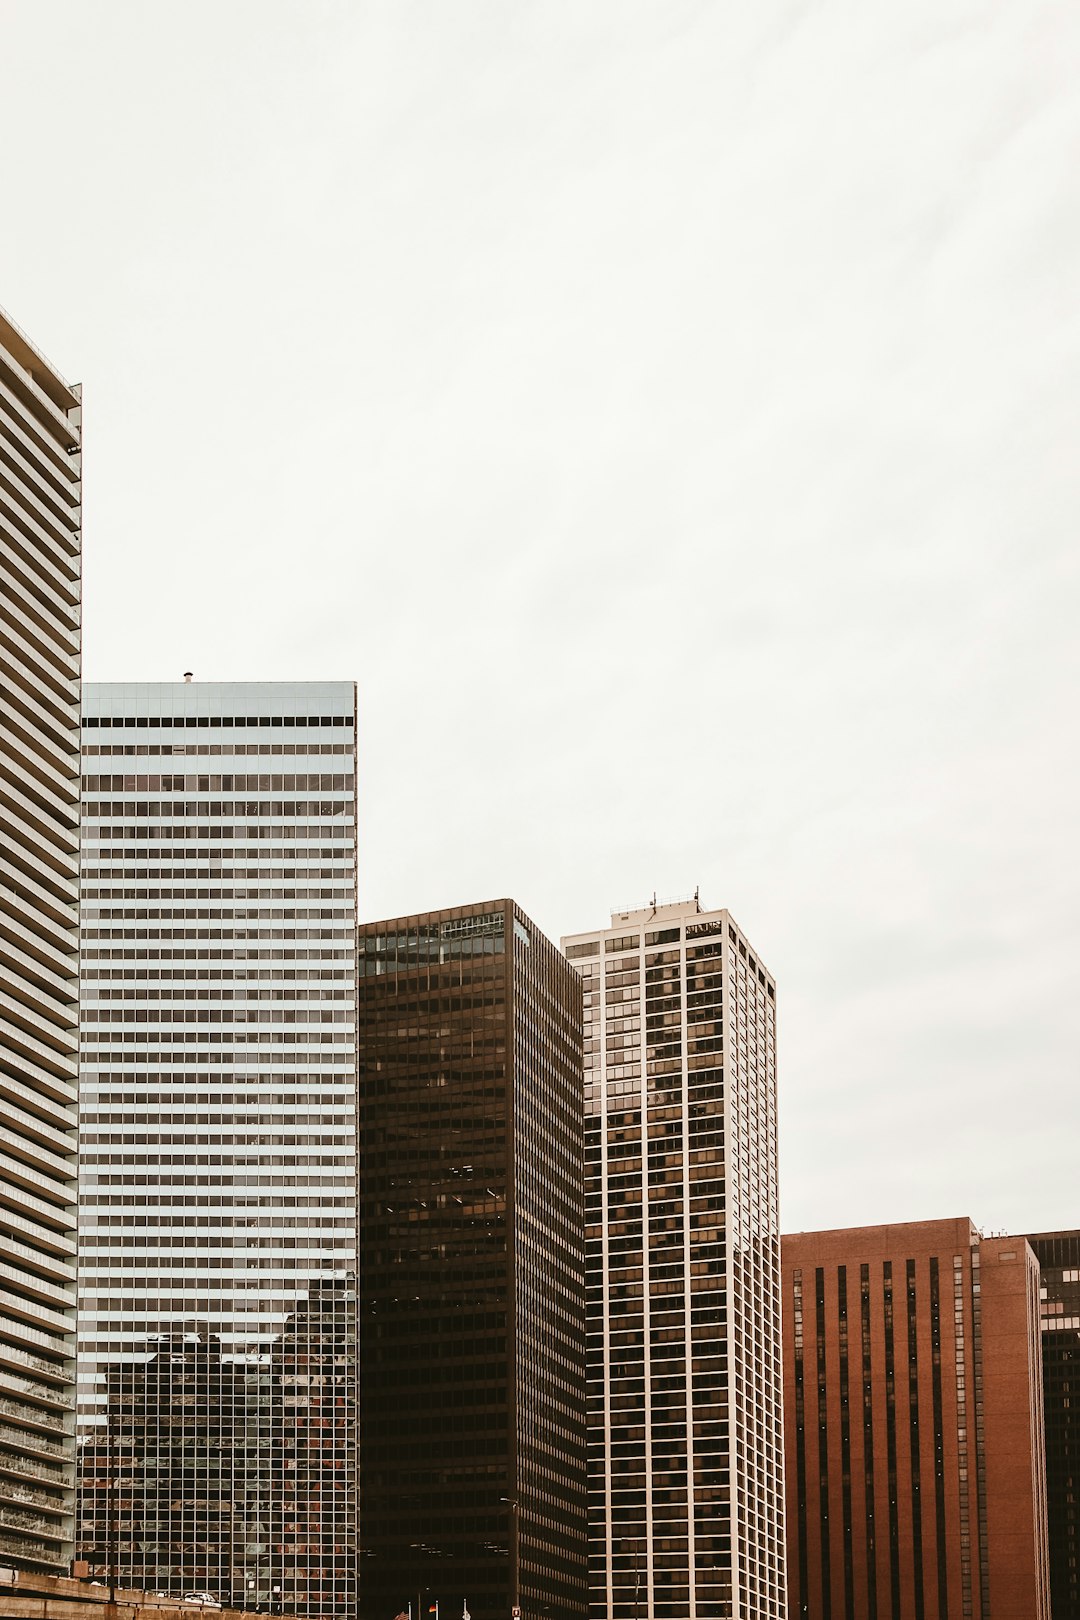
(913, 1425)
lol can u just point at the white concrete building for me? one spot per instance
(686, 1473)
(218, 1179)
(40, 651)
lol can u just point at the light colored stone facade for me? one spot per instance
(40, 644)
(686, 1508)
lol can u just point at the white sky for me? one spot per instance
(668, 413)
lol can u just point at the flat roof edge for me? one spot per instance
(14, 338)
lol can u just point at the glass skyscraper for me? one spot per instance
(472, 1275)
(40, 642)
(218, 1168)
(686, 1477)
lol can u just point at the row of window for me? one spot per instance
(231, 782)
(301, 1096)
(167, 1187)
(216, 1015)
(217, 893)
(168, 1200)
(179, 722)
(187, 1119)
(249, 913)
(220, 870)
(199, 810)
(216, 933)
(233, 1037)
(147, 953)
(319, 747)
(243, 1240)
(277, 993)
(167, 841)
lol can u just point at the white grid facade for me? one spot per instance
(686, 1486)
(217, 1190)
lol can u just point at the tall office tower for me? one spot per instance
(1058, 1254)
(40, 549)
(686, 1505)
(915, 1460)
(218, 1165)
(472, 1395)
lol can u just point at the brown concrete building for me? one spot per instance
(914, 1425)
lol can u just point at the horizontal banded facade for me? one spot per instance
(40, 649)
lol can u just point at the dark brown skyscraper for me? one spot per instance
(472, 1474)
(913, 1425)
(1058, 1254)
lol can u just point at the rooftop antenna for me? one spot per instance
(697, 896)
(189, 675)
(654, 902)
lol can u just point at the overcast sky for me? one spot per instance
(668, 413)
